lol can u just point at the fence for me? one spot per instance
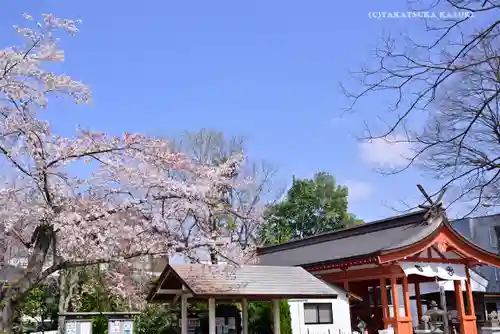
(330, 331)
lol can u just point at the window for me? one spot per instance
(318, 313)
(497, 277)
(497, 234)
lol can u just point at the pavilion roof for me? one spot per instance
(255, 282)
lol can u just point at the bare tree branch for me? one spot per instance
(452, 82)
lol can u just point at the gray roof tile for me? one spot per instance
(362, 240)
(249, 281)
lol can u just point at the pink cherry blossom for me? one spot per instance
(141, 197)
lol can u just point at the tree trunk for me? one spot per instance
(62, 299)
(7, 315)
(14, 292)
(67, 285)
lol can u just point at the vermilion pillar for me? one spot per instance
(418, 301)
(406, 297)
(470, 300)
(385, 303)
(467, 322)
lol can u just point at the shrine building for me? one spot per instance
(395, 254)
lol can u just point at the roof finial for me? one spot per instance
(434, 209)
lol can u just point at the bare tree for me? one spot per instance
(212, 147)
(451, 83)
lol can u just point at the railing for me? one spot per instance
(329, 331)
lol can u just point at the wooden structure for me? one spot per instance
(394, 254)
(211, 283)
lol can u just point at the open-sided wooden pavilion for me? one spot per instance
(224, 283)
(387, 255)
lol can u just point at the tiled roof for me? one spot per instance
(251, 281)
(359, 241)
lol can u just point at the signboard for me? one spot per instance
(128, 327)
(85, 327)
(120, 326)
(19, 262)
(70, 327)
(78, 327)
(114, 327)
(220, 325)
(193, 324)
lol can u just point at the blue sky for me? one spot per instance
(268, 70)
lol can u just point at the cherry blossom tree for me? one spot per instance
(212, 147)
(142, 197)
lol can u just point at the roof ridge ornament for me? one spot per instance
(434, 209)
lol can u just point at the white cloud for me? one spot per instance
(358, 190)
(392, 152)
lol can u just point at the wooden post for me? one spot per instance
(460, 304)
(395, 297)
(244, 315)
(468, 289)
(346, 288)
(184, 315)
(276, 316)
(375, 302)
(418, 301)
(444, 307)
(406, 297)
(211, 316)
(383, 296)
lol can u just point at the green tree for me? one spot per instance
(40, 306)
(94, 295)
(260, 317)
(311, 206)
(156, 319)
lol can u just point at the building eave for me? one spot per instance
(345, 233)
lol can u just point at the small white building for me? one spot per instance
(322, 316)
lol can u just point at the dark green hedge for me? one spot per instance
(260, 316)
